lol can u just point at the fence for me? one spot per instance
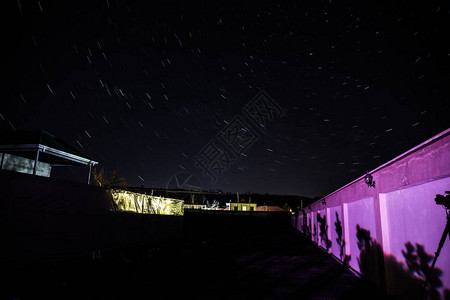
(390, 231)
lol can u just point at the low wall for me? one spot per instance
(46, 219)
(390, 232)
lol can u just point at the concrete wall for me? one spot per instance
(390, 232)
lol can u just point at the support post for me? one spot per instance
(3, 158)
(89, 175)
(36, 162)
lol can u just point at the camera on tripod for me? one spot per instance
(443, 200)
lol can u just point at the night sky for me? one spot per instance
(144, 86)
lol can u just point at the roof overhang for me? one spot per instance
(49, 151)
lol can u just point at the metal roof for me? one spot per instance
(51, 149)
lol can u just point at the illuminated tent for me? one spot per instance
(36, 152)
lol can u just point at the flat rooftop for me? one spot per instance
(238, 261)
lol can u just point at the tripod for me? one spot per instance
(441, 244)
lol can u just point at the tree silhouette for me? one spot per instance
(306, 225)
(123, 184)
(323, 230)
(107, 179)
(340, 241)
(418, 262)
(407, 282)
(370, 259)
(315, 233)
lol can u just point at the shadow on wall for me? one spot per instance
(315, 233)
(408, 282)
(370, 259)
(340, 241)
(305, 226)
(323, 230)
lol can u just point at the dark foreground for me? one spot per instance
(233, 259)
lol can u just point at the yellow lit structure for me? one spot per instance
(243, 206)
(146, 204)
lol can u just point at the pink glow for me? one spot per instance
(398, 215)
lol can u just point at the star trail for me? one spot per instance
(144, 86)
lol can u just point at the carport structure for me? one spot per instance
(36, 152)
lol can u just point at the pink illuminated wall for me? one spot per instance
(390, 232)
